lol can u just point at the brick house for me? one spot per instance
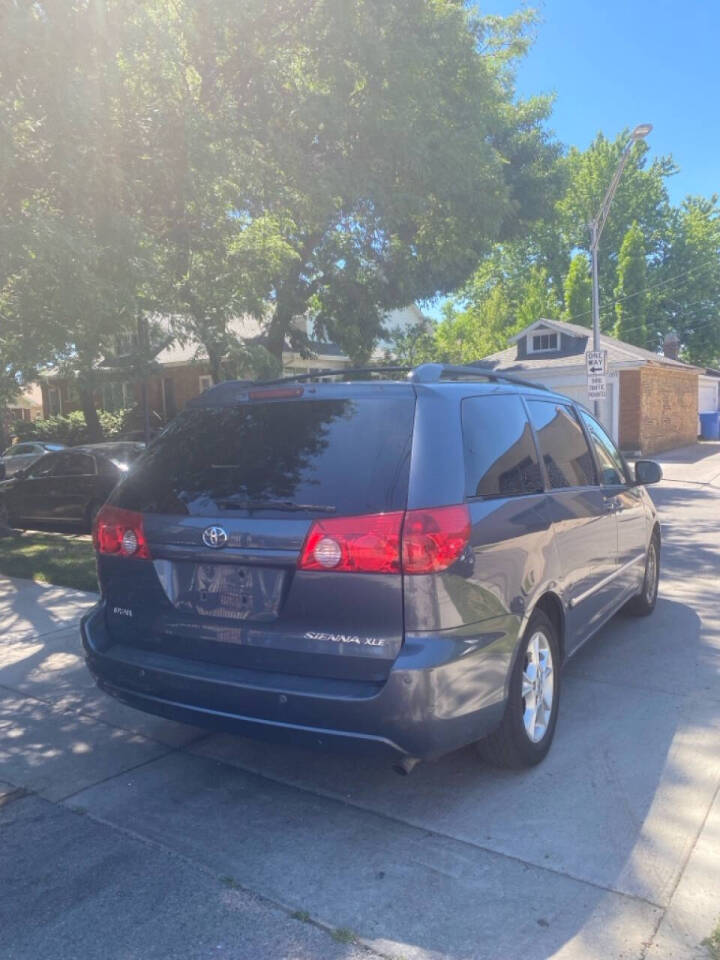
(184, 371)
(653, 399)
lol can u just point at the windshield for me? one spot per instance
(340, 455)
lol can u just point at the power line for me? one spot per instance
(652, 286)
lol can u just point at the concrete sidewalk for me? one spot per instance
(128, 836)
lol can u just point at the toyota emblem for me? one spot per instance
(214, 537)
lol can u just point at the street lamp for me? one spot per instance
(596, 228)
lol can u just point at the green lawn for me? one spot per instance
(65, 560)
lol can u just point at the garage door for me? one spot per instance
(707, 398)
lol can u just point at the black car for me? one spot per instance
(65, 488)
(390, 566)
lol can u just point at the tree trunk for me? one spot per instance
(214, 359)
(92, 422)
(279, 326)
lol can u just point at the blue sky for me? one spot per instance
(616, 63)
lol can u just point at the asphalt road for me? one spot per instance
(125, 836)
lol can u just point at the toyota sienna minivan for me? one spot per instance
(399, 566)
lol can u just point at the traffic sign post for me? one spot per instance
(596, 364)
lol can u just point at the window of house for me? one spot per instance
(205, 382)
(544, 341)
(116, 396)
(563, 447)
(500, 455)
(54, 401)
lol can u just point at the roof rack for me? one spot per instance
(330, 372)
(432, 372)
(424, 373)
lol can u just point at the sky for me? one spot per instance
(616, 63)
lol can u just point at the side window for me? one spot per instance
(612, 465)
(500, 456)
(562, 443)
(74, 465)
(20, 450)
(106, 468)
(44, 467)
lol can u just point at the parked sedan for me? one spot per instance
(67, 487)
(22, 455)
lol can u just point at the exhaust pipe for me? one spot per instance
(405, 765)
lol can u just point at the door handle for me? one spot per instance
(611, 505)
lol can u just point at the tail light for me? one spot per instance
(434, 539)
(416, 541)
(120, 533)
(364, 544)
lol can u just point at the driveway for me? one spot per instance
(126, 836)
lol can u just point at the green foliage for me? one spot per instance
(671, 254)
(630, 293)
(414, 345)
(71, 428)
(481, 328)
(578, 292)
(684, 286)
(325, 160)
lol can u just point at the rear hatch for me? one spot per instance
(229, 495)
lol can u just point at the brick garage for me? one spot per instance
(658, 408)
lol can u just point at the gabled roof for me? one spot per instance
(618, 350)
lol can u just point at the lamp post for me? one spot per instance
(596, 229)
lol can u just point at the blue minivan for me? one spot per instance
(397, 566)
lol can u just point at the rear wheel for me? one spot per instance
(644, 603)
(528, 726)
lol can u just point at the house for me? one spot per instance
(184, 371)
(26, 406)
(652, 399)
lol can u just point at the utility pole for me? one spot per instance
(596, 229)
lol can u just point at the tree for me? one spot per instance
(481, 328)
(641, 198)
(578, 292)
(73, 260)
(390, 152)
(684, 289)
(631, 293)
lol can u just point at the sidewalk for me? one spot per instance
(696, 464)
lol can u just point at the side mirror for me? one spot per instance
(647, 471)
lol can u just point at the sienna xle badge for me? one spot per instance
(398, 567)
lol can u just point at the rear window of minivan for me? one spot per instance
(347, 456)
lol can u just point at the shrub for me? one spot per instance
(70, 428)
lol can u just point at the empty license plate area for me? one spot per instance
(225, 590)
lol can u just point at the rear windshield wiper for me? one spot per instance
(234, 504)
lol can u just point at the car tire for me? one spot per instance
(519, 741)
(644, 603)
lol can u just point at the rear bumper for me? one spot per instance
(443, 692)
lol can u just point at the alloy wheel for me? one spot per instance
(538, 686)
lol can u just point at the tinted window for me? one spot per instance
(74, 465)
(108, 469)
(20, 450)
(351, 455)
(612, 465)
(562, 443)
(44, 467)
(500, 457)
